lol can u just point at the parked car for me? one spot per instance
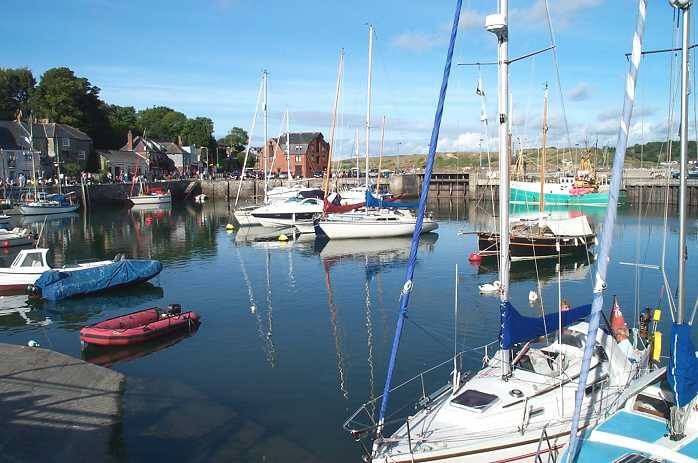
(283, 175)
(318, 174)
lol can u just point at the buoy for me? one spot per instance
(230, 226)
(33, 343)
(532, 296)
(283, 237)
(474, 257)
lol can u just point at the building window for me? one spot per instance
(65, 142)
(299, 158)
(81, 155)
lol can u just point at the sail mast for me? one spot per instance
(681, 303)
(333, 125)
(368, 95)
(542, 158)
(497, 24)
(288, 149)
(356, 151)
(266, 140)
(380, 156)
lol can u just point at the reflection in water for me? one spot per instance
(336, 332)
(108, 356)
(271, 350)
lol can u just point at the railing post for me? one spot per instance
(424, 393)
(409, 439)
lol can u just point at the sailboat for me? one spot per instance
(499, 412)
(389, 219)
(542, 236)
(652, 422)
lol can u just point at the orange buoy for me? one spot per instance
(474, 257)
(618, 326)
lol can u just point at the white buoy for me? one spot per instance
(33, 343)
(532, 296)
(493, 287)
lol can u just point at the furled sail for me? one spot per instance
(373, 201)
(683, 365)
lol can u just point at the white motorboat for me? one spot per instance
(383, 223)
(16, 237)
(280, 194)
(28, 267)
(152, 197)
(353, 195)
(289, 212)
(243, 216)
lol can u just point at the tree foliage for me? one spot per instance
(237, 139)
(16, 86)
(199, 132)
(161, 123)
(121, 120)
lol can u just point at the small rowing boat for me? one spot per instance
(139, 327)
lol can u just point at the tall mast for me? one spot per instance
(288, 149)
(333, 124)
(380, 158)
(368, 97)
(31, 148)
(542, 155)
(356, 151)
(681, 303)
(266, 140)
(497, 24)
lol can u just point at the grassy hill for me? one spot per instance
(648, 154)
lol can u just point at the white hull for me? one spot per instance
(151, 199)
(46, 210)
(244, 218)
(305, 227)
(17, 279)
(362, 228)
(279, 222)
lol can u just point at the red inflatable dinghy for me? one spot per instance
(138, 327)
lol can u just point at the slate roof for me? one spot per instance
(120, 156)
(299, 141)
(12, 135)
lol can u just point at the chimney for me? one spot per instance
(179, 140)
(129, 141)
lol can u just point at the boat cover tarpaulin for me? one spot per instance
(516, 328)
(56, 284)
(331, 208)
(683, 365)
(372, 201)
(576, 226)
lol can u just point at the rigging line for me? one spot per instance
(249, 141)
(438, 338)
(557, 71)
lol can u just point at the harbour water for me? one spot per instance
(295, 335)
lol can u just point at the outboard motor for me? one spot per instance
(33, 291)
(174, 309)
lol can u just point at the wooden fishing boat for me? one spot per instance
(139, 327)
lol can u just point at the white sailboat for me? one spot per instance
(525, 391)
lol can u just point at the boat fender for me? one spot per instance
(657, 346)
(33, 343)
(283, 237)
(230, 227)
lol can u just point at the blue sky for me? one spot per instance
(205, 58)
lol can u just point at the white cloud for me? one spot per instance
(562, 12)
(580, 92)
(417, 41)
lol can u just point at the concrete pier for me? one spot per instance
(57, 408)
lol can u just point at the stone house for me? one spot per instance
(309, 153)
(153, 153)
(50, 143)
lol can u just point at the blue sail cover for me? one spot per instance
(516, 328)
(372, 201)
(56, 284)
(683, 365)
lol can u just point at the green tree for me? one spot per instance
(64, 98)
(121, 120)
(161, 123)
(16, 86)
(237, 139)
(198, 132)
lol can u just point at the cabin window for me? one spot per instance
(635, 458)
(573, 338)
(652, 406)
(33, 260)
(475, 400)
(65, 142)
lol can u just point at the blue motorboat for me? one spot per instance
(54, 285)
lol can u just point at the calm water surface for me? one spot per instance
(295, 336)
